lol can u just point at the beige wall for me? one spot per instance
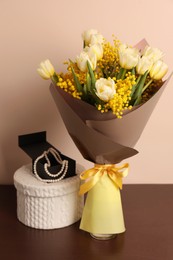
(34, 30)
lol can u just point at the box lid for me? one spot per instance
(25, 182)
(34, 145)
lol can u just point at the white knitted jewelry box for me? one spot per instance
(47, 205)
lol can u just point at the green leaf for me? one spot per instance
(54, 78)
(71, 61)
(77, 82)
(85, 90)
(133, 71)
(135, 87)
(88, 82)
(138, 92)
(93, 79)
(121, 74)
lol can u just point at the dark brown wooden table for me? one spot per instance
(148, 212)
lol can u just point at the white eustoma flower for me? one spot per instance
(158, 70)
(105, 89)
(143, 65)
(154, 54)
(46, 69)
(97, 49)
(82, 59)
(128, 57)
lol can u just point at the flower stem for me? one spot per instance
(122, 73)
(147, 85)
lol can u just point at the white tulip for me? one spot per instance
(82, 59)
(97, 49)
(158, 70)
(122, 47)
(92, 60)
(128, 57)
(46, 69)
(86, 36)
(143, 65)
(91, 37)
(105, 89)
(96, 39)
(154, 54)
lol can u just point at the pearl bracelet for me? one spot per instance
(63, 170)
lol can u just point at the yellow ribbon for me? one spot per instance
(92, 176)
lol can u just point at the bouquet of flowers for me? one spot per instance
(110, 77)
(105, 98)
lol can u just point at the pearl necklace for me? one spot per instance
(64, 166)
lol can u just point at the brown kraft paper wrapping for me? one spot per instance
(103, 138)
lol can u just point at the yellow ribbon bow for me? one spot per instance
(93, 175)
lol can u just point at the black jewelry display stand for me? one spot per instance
(35, 144)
